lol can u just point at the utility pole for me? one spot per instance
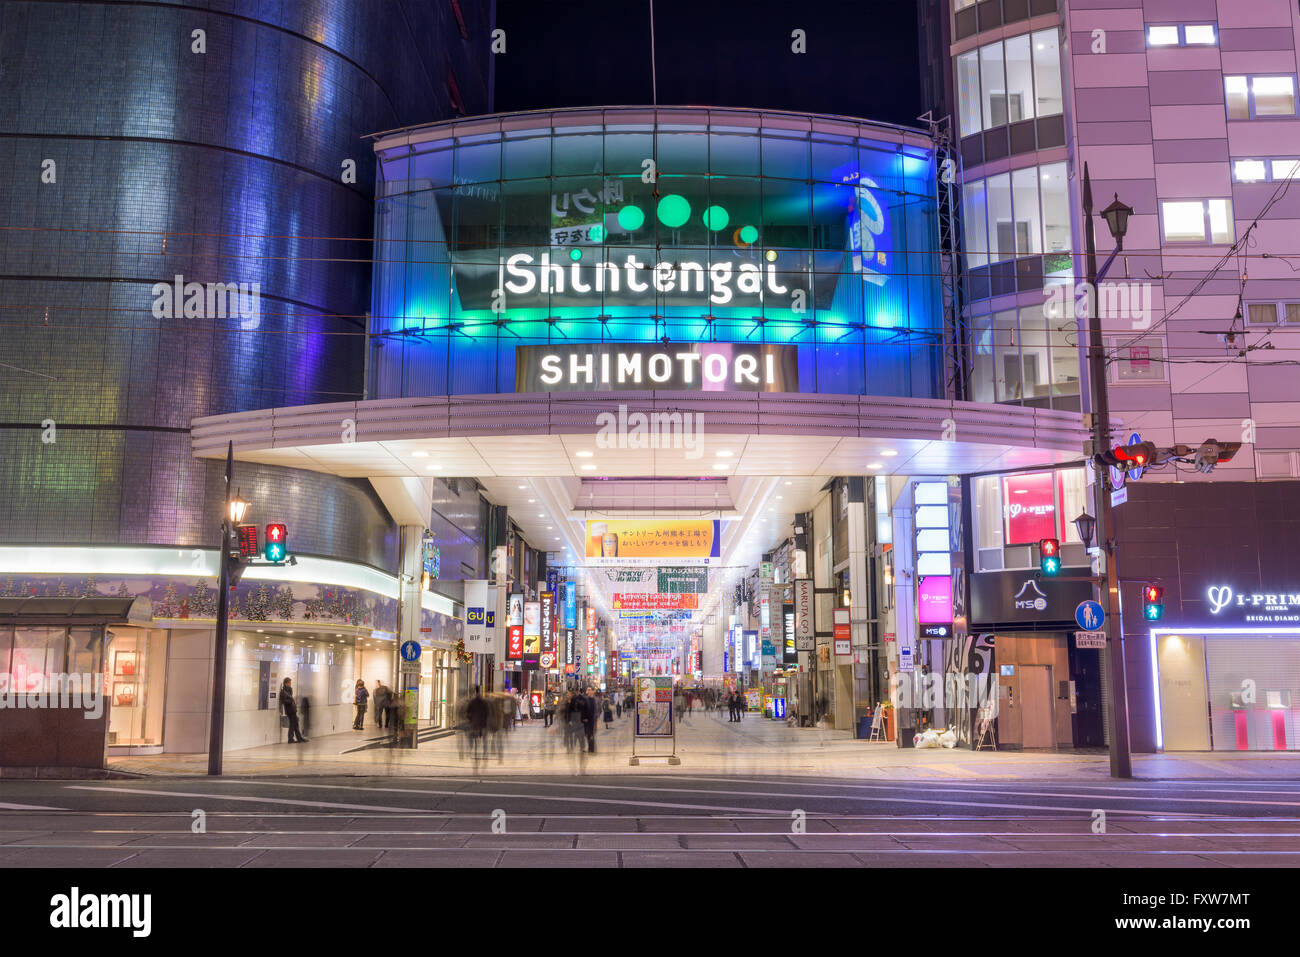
(1121, 761)
(216, 733)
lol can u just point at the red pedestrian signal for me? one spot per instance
(277, 544)
(1049, 556)
(1153, 602)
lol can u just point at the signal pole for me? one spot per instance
(1121, 760)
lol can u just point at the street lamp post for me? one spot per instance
(231, 516)
(1116, 216)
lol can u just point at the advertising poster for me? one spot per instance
(548, 656)
(632, 542)
(590, 660)
(791, 653)
(804, 631)
(654, 706)
(1029, 507)
(516, 610)
(532, 627)
(515, 642)
(570, 604)
(655, 601)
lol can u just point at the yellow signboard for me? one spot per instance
(629, 542)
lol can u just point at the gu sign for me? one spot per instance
(689, 367)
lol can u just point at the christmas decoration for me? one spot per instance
(169, 606)
(463, 656)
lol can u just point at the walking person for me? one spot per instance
(476, 714)
(609, 714)
(380, 700)
(360, 698)
(588, 712)
(390, 711)
(290, 711)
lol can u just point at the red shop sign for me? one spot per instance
(1029, 507)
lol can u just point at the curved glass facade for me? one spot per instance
(151, 160)
(678, 227)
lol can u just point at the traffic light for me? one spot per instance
(1212, 453)
(277, 543)
(1139, 455)
(1049, 556)
(1153, 602)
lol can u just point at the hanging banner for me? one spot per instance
(532, 627)
(547, 659)
(515, 642)
(476, 612)
(657, 601)
(804, 629)
(683, 580)
(516, 610)
(636, 542)
(570, 604)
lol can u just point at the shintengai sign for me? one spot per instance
(688, 367)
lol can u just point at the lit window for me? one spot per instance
(1261, 313)
(1220, 220)
(1008, 81)
(1291, 313)
(1285, 169)
(1235, 92)
(1273, 95)
(1197, 221)
(1162, 36)
(1199, 34)
(1184, 222)
(1249, 171)
(1249, 97)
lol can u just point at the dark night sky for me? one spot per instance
(862, 57)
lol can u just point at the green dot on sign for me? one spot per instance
(575, 253)
(748, 234)
(596, 234)
(674, 210)
(715, 217)
(631, 218)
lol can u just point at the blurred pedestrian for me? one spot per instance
(290, 711)
(361, 696)
(476, 713)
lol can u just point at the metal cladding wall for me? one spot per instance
(221, 166)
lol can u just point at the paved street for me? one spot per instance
(836, 802)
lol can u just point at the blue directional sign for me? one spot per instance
(411, 651)
(1089, 615)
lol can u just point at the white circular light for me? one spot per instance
(420, 455)
(531, 501)
(433, 468)
(584, 454)
(876, 465)
(724, 453)
(721, 465)
(523, 486)
(541, 514)
(589, 468)
(889, 453)
(789, 483)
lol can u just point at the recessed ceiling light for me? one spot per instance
(779, 497)
(876, 465)
(260, 630)
(550, 528)
(541, 514)
(889, 453)
(721, 465)
(584, 454)
(523, 486)
(433, 468)
(589, 468)
(420, 455)
(789, 483)
(724, 453)
(531, 501)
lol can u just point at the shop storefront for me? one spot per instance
(1050, 693)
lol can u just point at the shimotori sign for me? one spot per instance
(1263, 608)
(691, 367)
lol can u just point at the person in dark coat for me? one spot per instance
(362, 696)
(381, 702)
(476, 714)
(290, 711)
(587, 710)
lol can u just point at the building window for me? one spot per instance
(1273, 314)
(1024, 356)
(1008, 81)
(1197, 221)
(1265, 170)
(1182, 35)
(1252, 97)
(1027, 213)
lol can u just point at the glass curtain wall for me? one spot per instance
(656, 232)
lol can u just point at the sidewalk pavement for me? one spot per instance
(708, 743)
